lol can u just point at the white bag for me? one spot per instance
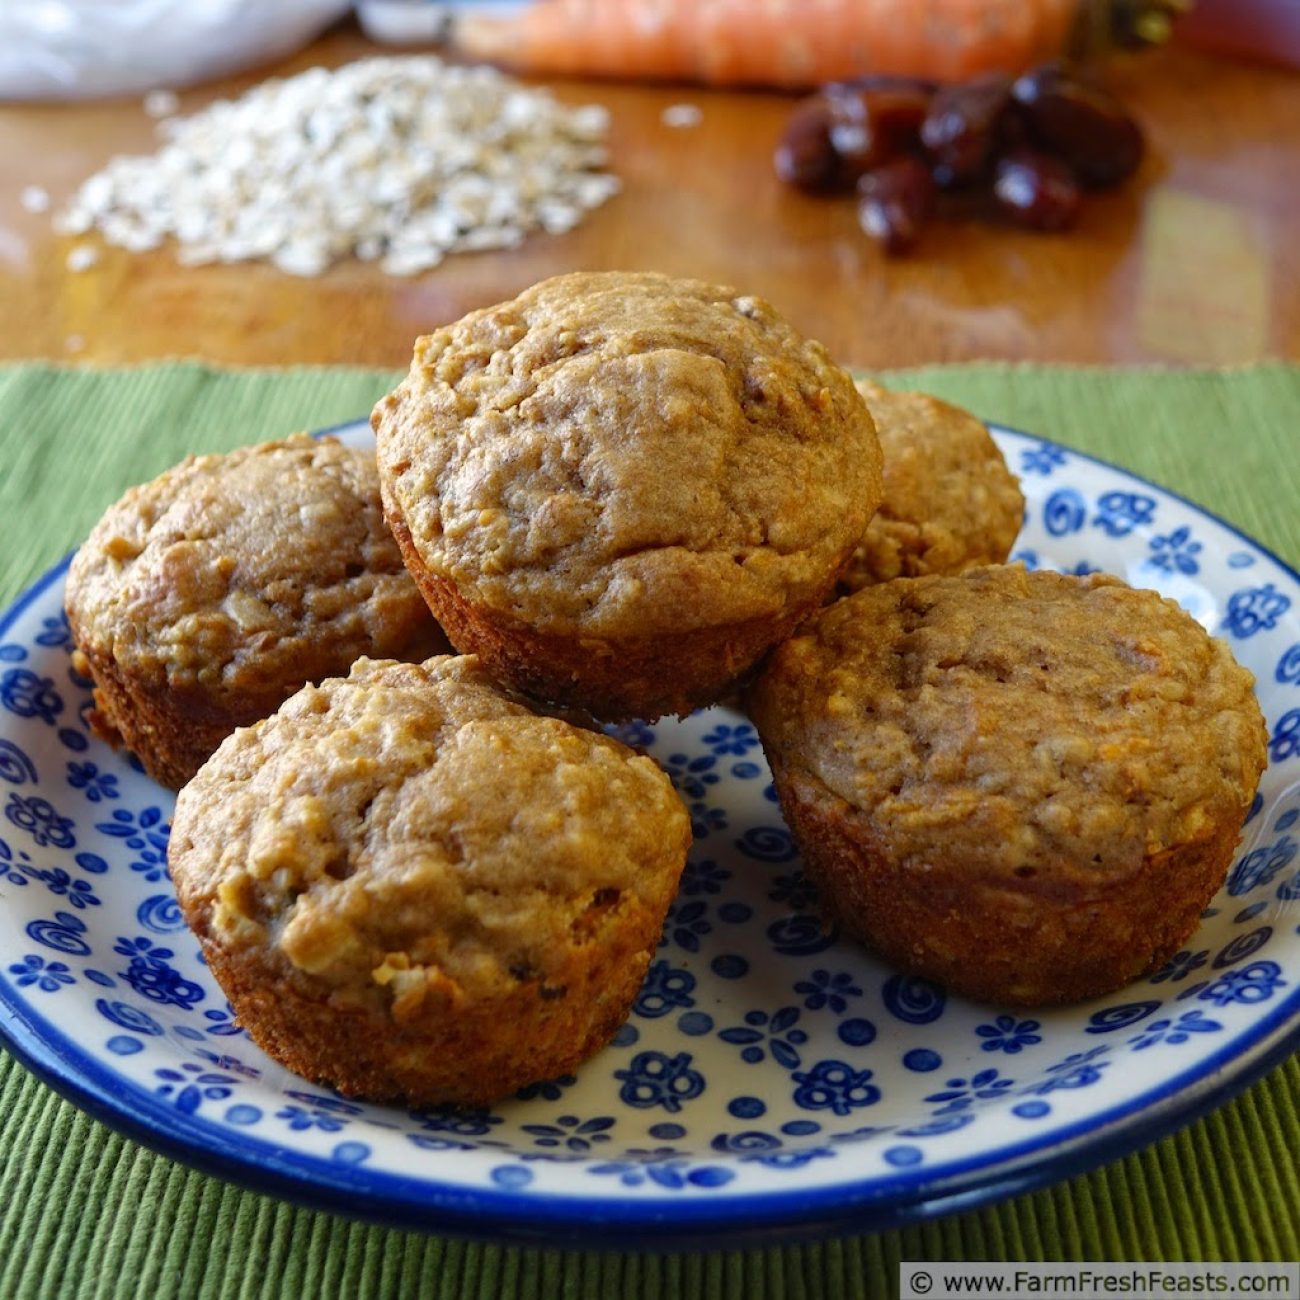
(79, 49)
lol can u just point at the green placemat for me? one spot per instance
(84, 1212)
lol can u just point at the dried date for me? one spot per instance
(804, 155)
(1036, 190)
(894, 203)
(963, 129)
(1081, 124)
(876, 119)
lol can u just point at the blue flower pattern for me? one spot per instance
(35, 971)
(569, 1133)
(17, 868)
(1285, 740)
(550, 1090)
(824, 989)
(96, 785)
(145, 835)
(686, 924)
(703, 877)
(1255, 609)
(1174, 1031)
(461, 1123)
(705, 820)
(658, 1079)
(795, 891)
(738, 740)
(1249, 984)
(41, 820)
(1009, 1035)
(962, 1093)
(309, 1117)
(833, 1087)
(1261, 865)
(667, 1168)
(1044, 459)
(1175, 552)
(150, 974)
(666, 988)
(692, 776)
(190, 1086)
(762, 1034)
(28, 695)
(1078, 1070)
(1119, 513)
(636, 735)
(80, 893)
(221, 1021)
(1180, 966)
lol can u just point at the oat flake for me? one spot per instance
(34, 198)
(400, 161)
(82, 257)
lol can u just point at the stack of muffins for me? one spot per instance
(434, 879)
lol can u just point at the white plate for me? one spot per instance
(773, 1079)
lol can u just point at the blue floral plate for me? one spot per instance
(773, 1079)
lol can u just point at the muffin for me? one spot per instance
(412, 887)
(202, 600)
(949, 504)
(1026, 786)
(620, 490)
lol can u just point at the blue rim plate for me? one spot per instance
(774, 1080)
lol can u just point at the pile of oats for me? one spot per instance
(395, 160)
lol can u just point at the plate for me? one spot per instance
(773, 1079)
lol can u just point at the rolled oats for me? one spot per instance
(82, 258)
(399, 161)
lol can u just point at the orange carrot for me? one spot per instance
(787, 43)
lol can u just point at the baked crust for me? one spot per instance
(950, 503)
(412, 887)
(203, 599)
(1046, 939)
(171, 731)
(1025, 785)
(616, 679)
(471, 1054)
(625, 467)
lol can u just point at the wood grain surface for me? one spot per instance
(1196, 261)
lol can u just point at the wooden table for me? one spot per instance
(1195, 262)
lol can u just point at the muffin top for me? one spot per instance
(628, 454)
(410, 832)
(248, 573)
(949, 503)
(1018, 721)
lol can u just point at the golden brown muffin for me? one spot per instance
(949, 504)
(412, 887)
(1024, 785)
(203, 599)
(620, 489)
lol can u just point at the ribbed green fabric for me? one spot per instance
(84, 1212)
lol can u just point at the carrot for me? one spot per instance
(786, 43)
